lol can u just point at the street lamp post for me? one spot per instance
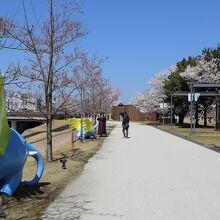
(171, 111)
(191, 108)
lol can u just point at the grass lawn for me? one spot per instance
(207, 136)
(39, 133)
(55, 125)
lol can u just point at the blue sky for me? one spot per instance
(141, 37)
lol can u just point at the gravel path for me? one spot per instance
(152, 175)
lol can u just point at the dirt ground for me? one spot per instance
(30, 202)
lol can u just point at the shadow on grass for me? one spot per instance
(187, 125)
(34, 133)
(62, 128)
(30, 191)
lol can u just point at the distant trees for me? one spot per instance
(204, 68)
(180, 104)
(95, 93)
(175, 82)
(206, 71)
(149, 100)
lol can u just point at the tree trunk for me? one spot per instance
(181, 118)
(197, 115)
(217, 117)
(49, 88)
(81, 128)
(49, 123)
(81, 118)
(49, 140)
(205, 114)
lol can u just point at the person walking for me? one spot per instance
(125, 125)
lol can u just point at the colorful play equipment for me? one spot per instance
(88, 129)
(14, 151)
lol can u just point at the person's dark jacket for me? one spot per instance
(125, 121)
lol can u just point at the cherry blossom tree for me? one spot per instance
(204, 72)
(95, 92)
(149, 100)
(107, 96)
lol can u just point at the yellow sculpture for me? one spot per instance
(88, 130)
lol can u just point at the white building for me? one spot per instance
(21, 102)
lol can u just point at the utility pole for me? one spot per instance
(163, 112)
(171, 111)
(217, 113)
(82, 111)
(194, 103)
(191, 108)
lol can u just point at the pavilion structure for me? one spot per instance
(199, 90)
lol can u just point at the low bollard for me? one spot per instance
(63, 161)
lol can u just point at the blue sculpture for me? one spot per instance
(14, 151)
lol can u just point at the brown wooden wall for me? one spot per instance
(152, 116)
(133, 113)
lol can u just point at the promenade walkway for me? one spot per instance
(150, 176)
